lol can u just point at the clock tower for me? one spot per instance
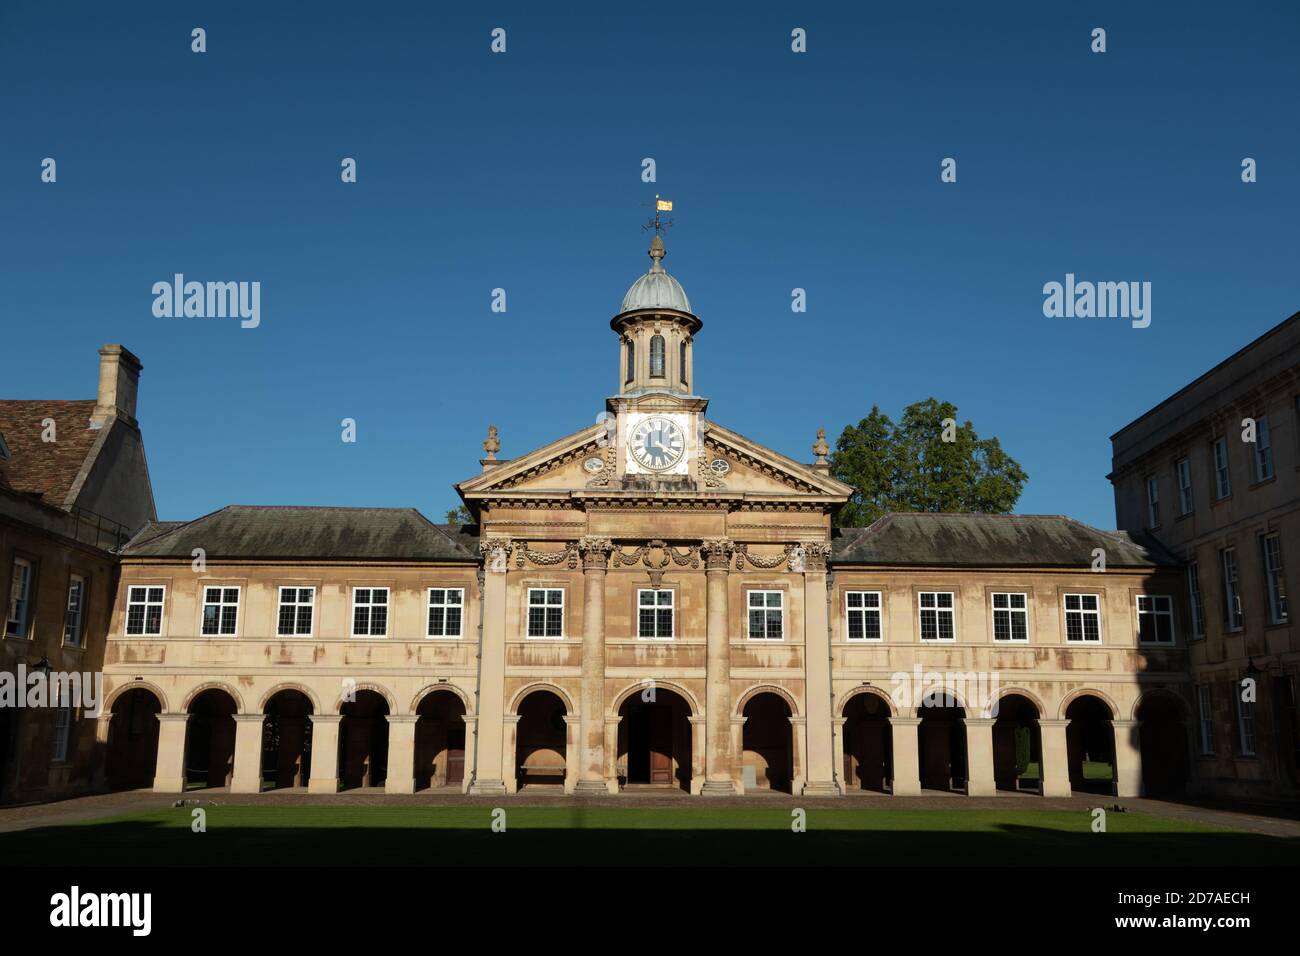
(658, 419)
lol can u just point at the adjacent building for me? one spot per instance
(1213, 472)
(74, 486)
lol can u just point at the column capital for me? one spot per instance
(717, 553)
(402, 718)
(1125, 724)
(905, 721)
(495, 551)
(172, 718)
(1053, 722)
(980, 721)
(595, 552)
(250, 718)
(325, 718)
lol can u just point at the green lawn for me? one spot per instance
(242, 835)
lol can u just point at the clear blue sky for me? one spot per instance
(523, 171)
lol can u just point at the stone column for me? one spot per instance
(248, 753)
(471, 738)
(103, 728)
(907, 768)
(591, 737)
(324, 753)
(611, 752)
(573, 755)
(488, 775)
(401, 753)
(1054, 758)
(979, 757)
(819, 770)
(799, 755)
(718, 753)
(697, 752)
(169, 770)
(1128, 758)
(509, 769)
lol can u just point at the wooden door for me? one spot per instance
(661, 745)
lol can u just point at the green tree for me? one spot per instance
(924, 462)
(459, 516)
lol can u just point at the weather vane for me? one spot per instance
(658, 224)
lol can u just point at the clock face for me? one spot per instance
(657, 444)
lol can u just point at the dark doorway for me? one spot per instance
(210, 740)
(768, 742)
(1017, 745)
(941, 743)
(440, 741)
(541, 740)
(655, 739)
(868, 744)
(133, 740)
(363, 741)
(7, 727)
(1090, 744)
(1162, 738)
(286, 740)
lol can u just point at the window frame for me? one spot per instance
(446, 606)
(547, 605)
(920, 617)
(1186, 494)
(1066, 611)
(767, 611)
(62, 739)
(1263, 450)
(76, 577)
(1153, 501)
(1196, 600)
(1156, 614)
(1246, 739)
(1010, 612)
(370, 605)
(1222, 472)
(662, 352)
(1205, 720)
(1231, 590)
(862, 611)
(161, 604)
(204, 603)
(296, 604)
(1275, 601)
(657, 608)
(29, 586)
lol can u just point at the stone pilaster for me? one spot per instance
(169, 770)
(907, 766)
(489, 744)
(401, 753)
(1055, 755)
(820, 766)
(324, 753)
(591, 746)
(979, 757)
(1128, 758)
(718, 759)
(248, 754)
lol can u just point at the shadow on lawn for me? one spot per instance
(150, 843)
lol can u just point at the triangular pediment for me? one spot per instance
(732, 466)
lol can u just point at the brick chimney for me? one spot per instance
(119, 379)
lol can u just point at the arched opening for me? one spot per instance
(210, 740)
(1162, 738)
(363, 741)
(768, 743)
(1017, 745)
(440, 741)
(286, 740)
(1090, 745)
(656, 356)
(540, 740)
(681, 362)
(631, 361)
(654, 740)
(133, 740)
(941, 743)
(868, 744)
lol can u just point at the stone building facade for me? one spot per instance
(653, 600)
(1213, 472)
(74, 486)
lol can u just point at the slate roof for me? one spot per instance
(46, 470)
(292, 532)
(983, 540)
